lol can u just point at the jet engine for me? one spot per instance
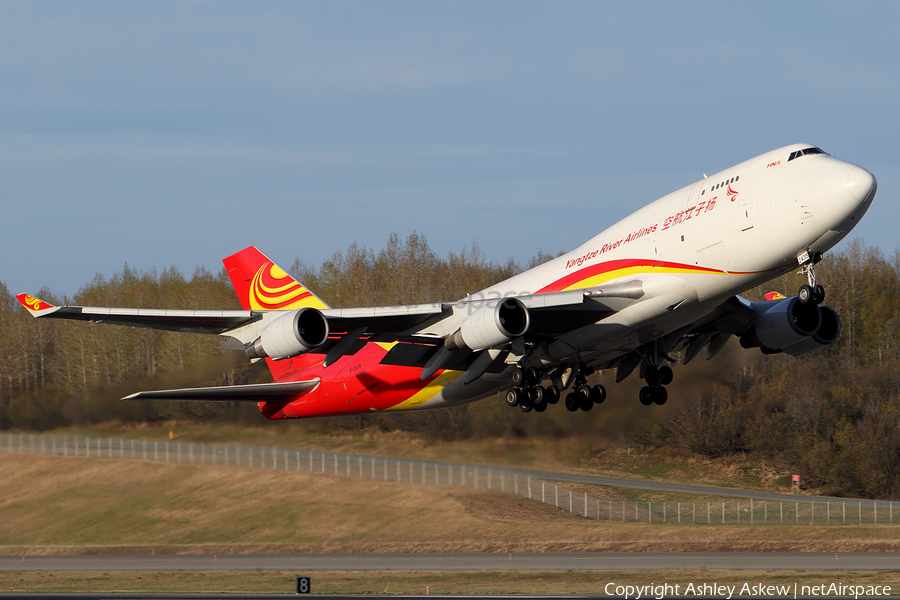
(290, 335)
(491, 325)
(793, 327)
(784, 323)
(827, 333)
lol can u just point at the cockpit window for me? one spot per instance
(804, 152)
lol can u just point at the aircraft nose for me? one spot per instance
(861, 184)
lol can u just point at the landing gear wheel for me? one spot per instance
(598, 393)
(805, 294)
(585, 397)
(541, 407)
(552, 394)
(532, 377)
(652, 376)
(819, 294)
(659, 395)
(572, 403)
(518, 377)
(586, 404)
(513, 395)
(526, 401)
(584, 394)
(646, 395)
(665, 375)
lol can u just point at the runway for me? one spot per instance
(594, 561)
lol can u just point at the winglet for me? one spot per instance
(36, 306)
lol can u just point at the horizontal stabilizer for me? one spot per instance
(259, 392)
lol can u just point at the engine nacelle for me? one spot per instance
(491, 325)
(827, 333)
(290, 335)
(787, 322)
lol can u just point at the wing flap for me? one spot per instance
(558, 313)
(735, 315)
(395, 320)
(557, 320)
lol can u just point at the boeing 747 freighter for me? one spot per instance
(665, 278)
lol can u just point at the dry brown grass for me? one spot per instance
(56, 505)
(418, 582)
(593, 454)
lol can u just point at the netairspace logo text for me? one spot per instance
(754, 590)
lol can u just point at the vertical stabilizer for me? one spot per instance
(262, 285)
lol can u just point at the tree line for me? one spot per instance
(833, 415)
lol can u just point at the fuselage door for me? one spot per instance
(694, 195)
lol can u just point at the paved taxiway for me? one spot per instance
(597, 561)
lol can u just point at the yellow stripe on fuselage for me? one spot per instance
(602, 278)
(428, 392)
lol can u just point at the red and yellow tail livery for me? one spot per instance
(263, 285)
(35, 306)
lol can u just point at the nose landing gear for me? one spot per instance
(813, 292)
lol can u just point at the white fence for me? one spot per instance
(734, 512)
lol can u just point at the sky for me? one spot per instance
(173, 134)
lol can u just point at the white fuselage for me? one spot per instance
(692, 249)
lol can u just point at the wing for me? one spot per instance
(556, 313)
(551, 314)
(734, 316)
(388, 320)
(776, 324)
(418, 330)
(187, 321)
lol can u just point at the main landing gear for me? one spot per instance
(583, 396)
(530, 395)
(654, 392)
(656, 377)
